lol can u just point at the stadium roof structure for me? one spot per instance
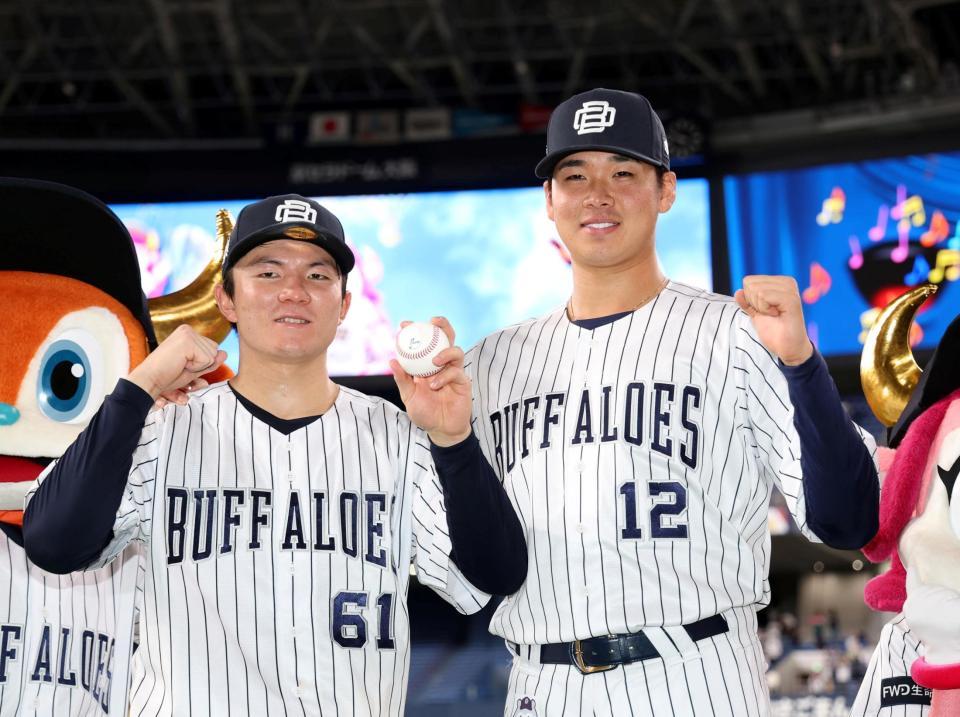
(220, 69)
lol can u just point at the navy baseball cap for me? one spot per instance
(288, 216)
(939, 379)
(605, 121)
(50, 228)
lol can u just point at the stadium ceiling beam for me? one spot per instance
(911, 6)
(428, 62)
(313, 43)
(521, 67)
(136, 98)
(416, 32)
(40, 35)
(123, 84)
(695, 58)
(454, 46)
(264, 39)
(791, 9)
(14, 73)
(685, 15)
(300, 76)
(575, 71)
(914, 42)
(231, 43)
(745, 53)
(179, 87)
(398, 67)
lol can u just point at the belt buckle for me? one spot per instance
(576, 655)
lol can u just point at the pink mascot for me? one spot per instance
(919, 513)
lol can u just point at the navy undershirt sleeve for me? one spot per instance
(840, 483)
(69, 520)
(488, 541)
(14, 533)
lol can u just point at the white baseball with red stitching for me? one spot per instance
(417, 344)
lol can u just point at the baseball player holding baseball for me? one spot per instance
(280, 513)
(639, 431)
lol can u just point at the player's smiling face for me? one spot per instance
(287, 300)
(605, 207)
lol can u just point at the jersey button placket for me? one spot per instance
(598, 342)
(287, 456)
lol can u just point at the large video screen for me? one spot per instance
(855, 236)
(485, 259)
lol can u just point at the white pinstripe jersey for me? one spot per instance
(640, 457)
(278, 565)
(65, 640)
(887, 683)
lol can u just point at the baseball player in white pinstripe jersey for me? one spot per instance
(280, 513)
(639, 431)
(887, 689)
(65, 640)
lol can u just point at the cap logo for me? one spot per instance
(299, 233)
(594, 116)
(294, 210)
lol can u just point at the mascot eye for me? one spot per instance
(68, 371)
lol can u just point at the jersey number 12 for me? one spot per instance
(670, 500)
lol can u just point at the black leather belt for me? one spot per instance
(598, 654)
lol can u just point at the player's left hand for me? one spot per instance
(773, 303)
(440, 404)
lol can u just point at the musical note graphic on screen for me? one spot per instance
(919, 273)
(938, 231)
(856, 253)
(879, 231)
(820, 283)
(909, 209)
(833, 206)
(954, 242)
(901, 250)
(898, 212)
(947, 266)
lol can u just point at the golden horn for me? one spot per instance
(194, 304)
(888, 370)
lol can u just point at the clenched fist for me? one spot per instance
(181, 359)
(773, 303)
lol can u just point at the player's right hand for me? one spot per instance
(177, 362)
